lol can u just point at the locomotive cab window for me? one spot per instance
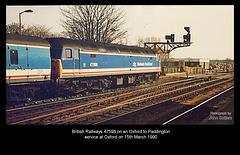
(150, 58)
(67, 53)
(14, 57)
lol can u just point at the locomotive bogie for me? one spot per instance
(78, 85)
(25, 92)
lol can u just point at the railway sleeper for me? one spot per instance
(65, 115)
(48, 120)
(34, 122)
(151, 98)
(54, 119)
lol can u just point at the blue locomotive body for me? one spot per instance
(87, 59)
(27, 59)
(105, 61)
(90, 64)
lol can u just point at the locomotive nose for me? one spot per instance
(56, 69)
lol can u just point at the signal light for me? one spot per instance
(187, 38)
(170, 37)
(167, 37)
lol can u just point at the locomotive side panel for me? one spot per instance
(27, 58)
(27, 63)
(95, 64)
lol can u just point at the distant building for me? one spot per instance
(222, 65)
(188, 62)
(227, 61)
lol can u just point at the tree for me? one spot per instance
(99, 23)
(37, 30)
(13, 28)
(32, 30)
(141, 40)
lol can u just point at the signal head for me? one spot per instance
(187, 29)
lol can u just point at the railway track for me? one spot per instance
(171, 112)
(102, 109)
(23, 113)
(88, 95)
(195, 110)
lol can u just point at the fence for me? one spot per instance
(191, 70)
(194, 70)
(171, 69)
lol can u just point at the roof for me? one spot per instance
(25, 40)
(100, 47)
(189, 59)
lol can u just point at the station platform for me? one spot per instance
(180, 75)
(169, 75)
(189, 76)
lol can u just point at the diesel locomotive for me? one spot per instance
(37, 66)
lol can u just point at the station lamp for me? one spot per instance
(20, 24)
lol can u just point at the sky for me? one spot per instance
(211, 26)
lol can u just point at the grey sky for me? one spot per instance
(212, 27)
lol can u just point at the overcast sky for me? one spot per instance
(212, 27)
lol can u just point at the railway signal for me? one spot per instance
(187, 29)
(187, 37)
(169, 37)
(167, 47)
(164, 48)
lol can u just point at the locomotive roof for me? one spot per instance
(100, 47)
(25, 40)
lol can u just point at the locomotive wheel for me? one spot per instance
(106, 83)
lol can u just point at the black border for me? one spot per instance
(208, 134)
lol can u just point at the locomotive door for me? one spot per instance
(17, 61)
(70, 61)
(76, 61)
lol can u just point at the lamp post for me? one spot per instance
(20, 25)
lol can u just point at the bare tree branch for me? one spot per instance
(99, 23)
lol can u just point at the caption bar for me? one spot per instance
(120, 134)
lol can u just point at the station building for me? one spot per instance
(194, 65)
